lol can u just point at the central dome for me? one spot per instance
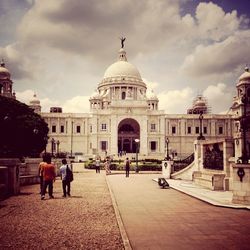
(121, 73)
(122, 68)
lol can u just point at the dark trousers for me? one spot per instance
(127, 172)
(97, 169)
(41, 184)
(50, 184)
(66, 184)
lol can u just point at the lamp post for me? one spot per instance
(137, 141)
(58, 143)
(167, 142)
(71, 141)
(201, 137)
(52, 146)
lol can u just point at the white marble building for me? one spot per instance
(122, 111)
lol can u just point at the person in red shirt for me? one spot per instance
(49, 176)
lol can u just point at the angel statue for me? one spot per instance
(122, 41)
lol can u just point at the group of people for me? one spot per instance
(47, 174)
(107, 165)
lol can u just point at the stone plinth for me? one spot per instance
(166, 168)
(241, 189)
(13, 175)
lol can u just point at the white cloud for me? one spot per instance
(219, 97)
(63, 48)
(214, 23)
(176, 101)
(150, 85)
(219, 58)
(78, 104)
(25, 96)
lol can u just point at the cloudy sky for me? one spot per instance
(60, 49)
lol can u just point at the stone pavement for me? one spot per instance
(216, 198)
(86, 220)
(156, 218)
(148, 217)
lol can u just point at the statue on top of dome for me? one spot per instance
(122, 40)
(2, 64)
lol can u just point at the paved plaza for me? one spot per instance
(148, 217)
(86, 220)
(156, 218)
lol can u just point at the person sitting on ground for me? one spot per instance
(65, 182)
(49, 176)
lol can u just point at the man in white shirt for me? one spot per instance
(65, 182)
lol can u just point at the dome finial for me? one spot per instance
(2, 64)
(122, 41)
(247, 68)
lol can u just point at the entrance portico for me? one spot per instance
(128, 131)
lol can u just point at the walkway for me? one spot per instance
(86, 220)
(152, 218)
(156, 218)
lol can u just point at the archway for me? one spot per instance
(128, 131)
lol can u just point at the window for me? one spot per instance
(103, 126)
(197, 130)
(189, 130)
(153, 127)
(78, 129)
(153, 145)
(90, 128)
(220, 130)
(53, 129)
(173, 130)
(205, 130)
(62, 129)
(104, 145)
(123, 95)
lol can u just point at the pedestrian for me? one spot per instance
(127, 166)
(40, 172)
(65, 181)
(107, 166)
(49, 176)
(97, 164)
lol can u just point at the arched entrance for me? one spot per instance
(128, 131)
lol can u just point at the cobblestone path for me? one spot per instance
(86, 220)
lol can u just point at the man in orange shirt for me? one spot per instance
(49, 176)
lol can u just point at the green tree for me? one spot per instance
(22, 131)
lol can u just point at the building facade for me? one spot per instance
(124, 117)
(122, 111)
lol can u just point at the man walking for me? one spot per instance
(49, 176)
(127, 166)
(65, 181)
(97, 164)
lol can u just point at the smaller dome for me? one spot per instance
(35, 100)
(245, 75)
(4, 73)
